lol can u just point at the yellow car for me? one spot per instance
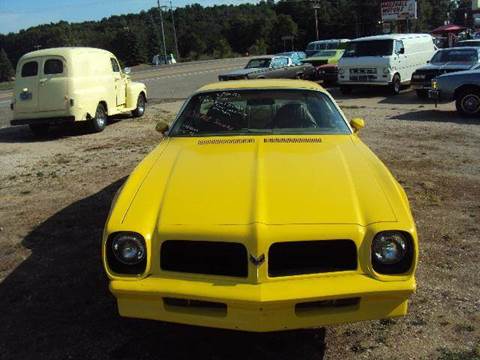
(261, 210)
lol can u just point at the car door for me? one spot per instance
(119, 82)
(26, 86)
(52, 84)
(403, 66)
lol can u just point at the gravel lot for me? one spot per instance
(55, 195)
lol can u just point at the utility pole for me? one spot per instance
(316, 6)
(163, 32)
(174, 31)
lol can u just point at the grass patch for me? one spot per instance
(446, 354)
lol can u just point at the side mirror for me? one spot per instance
(357, 124)
(402, 51)
(127, 70)
(162, 127)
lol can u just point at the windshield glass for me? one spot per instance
(455, 56)
(259, 63)
(369, 48)
(325, 53)
(259, 112)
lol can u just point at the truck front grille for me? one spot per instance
(311, 257)
(204, 257)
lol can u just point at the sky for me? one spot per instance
(21, 14)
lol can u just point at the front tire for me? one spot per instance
(468, 103)
(346, 90)
(141, 105)
(396, 84)
(99, 122)
(39, 130)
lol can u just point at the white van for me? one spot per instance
(384, 60)
(65, 85)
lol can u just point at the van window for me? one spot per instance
(53, 66)
(369, 48)
(30, 69)
(115, 66)
(398, 46)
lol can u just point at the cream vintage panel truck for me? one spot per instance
(65, 85)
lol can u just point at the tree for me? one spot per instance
(6, 68)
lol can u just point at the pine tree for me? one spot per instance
(6, 68)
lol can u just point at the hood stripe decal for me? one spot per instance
(226, 141)
(293, 140)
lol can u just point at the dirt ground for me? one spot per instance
(55, 195)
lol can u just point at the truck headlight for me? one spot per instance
(126, 253)
(386, 70)
(392, 252)
(341, 71)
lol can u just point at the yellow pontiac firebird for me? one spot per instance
(261, 210)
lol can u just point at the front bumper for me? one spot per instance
(265, 307)
(421, 85)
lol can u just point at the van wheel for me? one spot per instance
(99, 122)
(396, 84)
(468, 103)
(346, 90)
(39, 130)
(141, 104)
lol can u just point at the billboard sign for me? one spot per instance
(393, 10)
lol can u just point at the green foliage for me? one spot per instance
(6, 68)
(221, 31)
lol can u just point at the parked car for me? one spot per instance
(66, 85)
(468, 43)
(462, 87)
(444, 61)
(332, 44)
(261, 210)
(296, 56)
(384, 60)
(271, 66)
(326, 65)
(161, 60)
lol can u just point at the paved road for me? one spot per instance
(164, 84)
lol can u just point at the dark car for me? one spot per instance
(443, 62)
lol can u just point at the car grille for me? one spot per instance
(311, 257)
(431, 74)
(204, 257)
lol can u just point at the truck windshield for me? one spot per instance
(369, 48)
(258, 63)
(230, 113)
(455, 56)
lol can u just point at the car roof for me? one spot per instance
(64, 52)
(394, 37)
(263, 57)
(264, 84)
(329, 41)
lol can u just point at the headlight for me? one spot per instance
(341, 71)
(386, 70)
(392, 252)
(389, 248)
(126, 253)
(129, 249)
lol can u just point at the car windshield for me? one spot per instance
(325, 53)
(244, 112)
(369, 48)
(455, 56)
(258, 63)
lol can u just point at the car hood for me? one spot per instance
(271, 180)
(242, 72)
(445, 67)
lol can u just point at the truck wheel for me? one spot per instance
(346, 90)
(396, 84)
(39, 130)
(422, 94)
(468, 103)
(140, 109)
(99, 122)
